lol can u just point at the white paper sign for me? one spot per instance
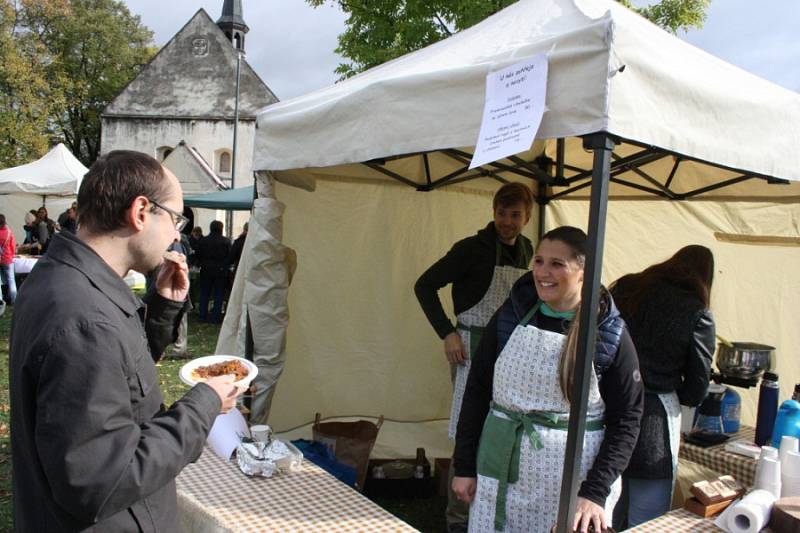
(225, 434)
(513, 110)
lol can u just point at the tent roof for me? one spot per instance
(240, 199)
(57, 173)
(416, 119)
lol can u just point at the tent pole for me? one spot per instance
(602, 145)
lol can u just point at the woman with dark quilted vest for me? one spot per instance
(666, 309)
(512, 431)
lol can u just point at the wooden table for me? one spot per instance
(214, 496)
(680, 520)
(716, 458)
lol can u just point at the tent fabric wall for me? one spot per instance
(358, 343)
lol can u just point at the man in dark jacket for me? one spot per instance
(212, 256)
(481, 269)
(93, 446)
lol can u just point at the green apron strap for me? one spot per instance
(529, 315)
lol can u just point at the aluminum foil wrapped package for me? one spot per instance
(262, 459)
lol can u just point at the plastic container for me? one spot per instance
(787, 422)
(767, 408)
(731, 411)
(709, 414)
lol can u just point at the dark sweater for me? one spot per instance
(469, 266)
(674, 338)
(619, 383)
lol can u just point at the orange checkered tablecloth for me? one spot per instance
(215, 496)
(716, 458)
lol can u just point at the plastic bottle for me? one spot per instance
(767, 408)
(731, 411)
(787, 422)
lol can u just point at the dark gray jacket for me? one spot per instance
(93, 447)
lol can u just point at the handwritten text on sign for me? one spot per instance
(513, 110)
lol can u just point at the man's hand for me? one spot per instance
(226, 390)
(587, 512)
(464, 487)
(454, 349)
(172, 280)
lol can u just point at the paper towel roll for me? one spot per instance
(751, 514)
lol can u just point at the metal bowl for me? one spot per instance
(745, 360)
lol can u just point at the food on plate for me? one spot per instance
(172, 255)
(223, 368)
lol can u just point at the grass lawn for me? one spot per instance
(424, 514)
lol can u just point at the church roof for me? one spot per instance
(194, 173)
(193, 76)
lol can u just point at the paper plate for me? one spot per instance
(186, 370)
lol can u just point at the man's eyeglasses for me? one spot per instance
(178, 219)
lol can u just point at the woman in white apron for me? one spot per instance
(515, 404)
(666, 309)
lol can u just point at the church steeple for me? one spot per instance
(232, 23)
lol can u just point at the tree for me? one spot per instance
(381, 30)
(26, 100)
(86, 51)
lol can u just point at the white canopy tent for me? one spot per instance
(631, 111)
(57, 173)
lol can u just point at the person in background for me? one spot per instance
(179, 347)
(93, 446)
(481, 269)
(8, 247)
(44, 228)
(517, 401)
(70, 221)
(30, 227)
(236, 251)
(666, 309)
(212, 256)
(63, 217)
(194, 241)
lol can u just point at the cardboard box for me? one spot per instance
(693, 505)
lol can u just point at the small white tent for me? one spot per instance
(683, 125)
(57, 173)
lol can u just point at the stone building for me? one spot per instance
(186, 96)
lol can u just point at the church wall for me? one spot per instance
(206, 136)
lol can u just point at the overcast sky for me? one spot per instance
(291, 45)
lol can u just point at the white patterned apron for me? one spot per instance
(526, 380)
(471, 324)
(672, 407)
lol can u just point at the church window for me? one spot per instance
(224, 163)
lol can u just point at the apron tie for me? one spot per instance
(501, 440)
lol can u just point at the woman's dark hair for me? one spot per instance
(691, 268)
(2, 221)
(573, 237)
(112, 183)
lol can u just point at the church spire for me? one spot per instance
(232, 23)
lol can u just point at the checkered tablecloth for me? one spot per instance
(683, 521)
(716, 458)
(214, 496)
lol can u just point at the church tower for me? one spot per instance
(232, 23)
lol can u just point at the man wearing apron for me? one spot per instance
(481, 269)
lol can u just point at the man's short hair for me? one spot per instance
(215, 227)
(512, 194)
(112, 183)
